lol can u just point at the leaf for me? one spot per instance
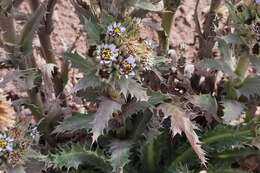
(151, 6)
(75, 122)
(31, 27)
(232, 38)
(157, 97)
(181, 123)
(232, 110)
(217, 64)
(104, 113)
(93, 30)
(78, 155)
(84, 64)
(17, 169)
(250, 87)
(119, 154)
(255, 62)
(134, 107)
(88, 81)
(136, 90)
(206, 102)
(123, 85)
(227, 54)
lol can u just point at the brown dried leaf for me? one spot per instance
(181, 123)
(7, 118)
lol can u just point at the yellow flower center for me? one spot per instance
(3, 143)
(106, 54)
(127, 68)
(117, 30)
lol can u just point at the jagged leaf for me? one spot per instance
(232, 110)
(31, 27)
(148, 5)
(84, 64)
(88, 81)
(76, 155)
(156, 97)
(227, 54)
(217, 64)
(181, 123)
(250, 87)
(232, 38)
(93, 30)
(75, 122)
(136, 90)
(134, 107)
(104, 113)
(119, 154)
(17, 169)
(206, 102)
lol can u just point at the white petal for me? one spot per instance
(132, 73)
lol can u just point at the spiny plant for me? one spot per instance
(148, 114)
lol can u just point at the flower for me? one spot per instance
(127, 65)
(257, 1)
(115, 29)
(6, 143)
(107, 53)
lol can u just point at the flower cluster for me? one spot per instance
(14, 143)
(121, 54)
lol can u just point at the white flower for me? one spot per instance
(107, 53)
(127, 65)
(115, 29)
(6, 143)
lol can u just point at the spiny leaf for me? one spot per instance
(148, 5)
(93, 30)
(104, 113)
(77, 155)
(84, 64)
(156, 97)
(88, 81)
(232, 110)
(31, 27)
(75, 122)
(134, 107)
(181, 123)
(17, 169)
(250, 87)
(227, 54)
(206, 102)
(217, 64)
(136, 90)
(119, 154)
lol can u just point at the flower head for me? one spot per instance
(107, 53)
(257, 1)
(115, 29)
(6, 143)
(127, 66)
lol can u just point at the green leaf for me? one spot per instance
(134, 107)
(17, 169)
(157, 97)
(148, 5)
(136, 90)
(84, 64)
(250, 87)
(217, 64)
(104, 113)
(232, 110)
(78, 155)
(88, 81)
(93, 31)
(227, 54)
(232, 38)
(30, 28)
(119, 154)
(75, 122)
(206, 102)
